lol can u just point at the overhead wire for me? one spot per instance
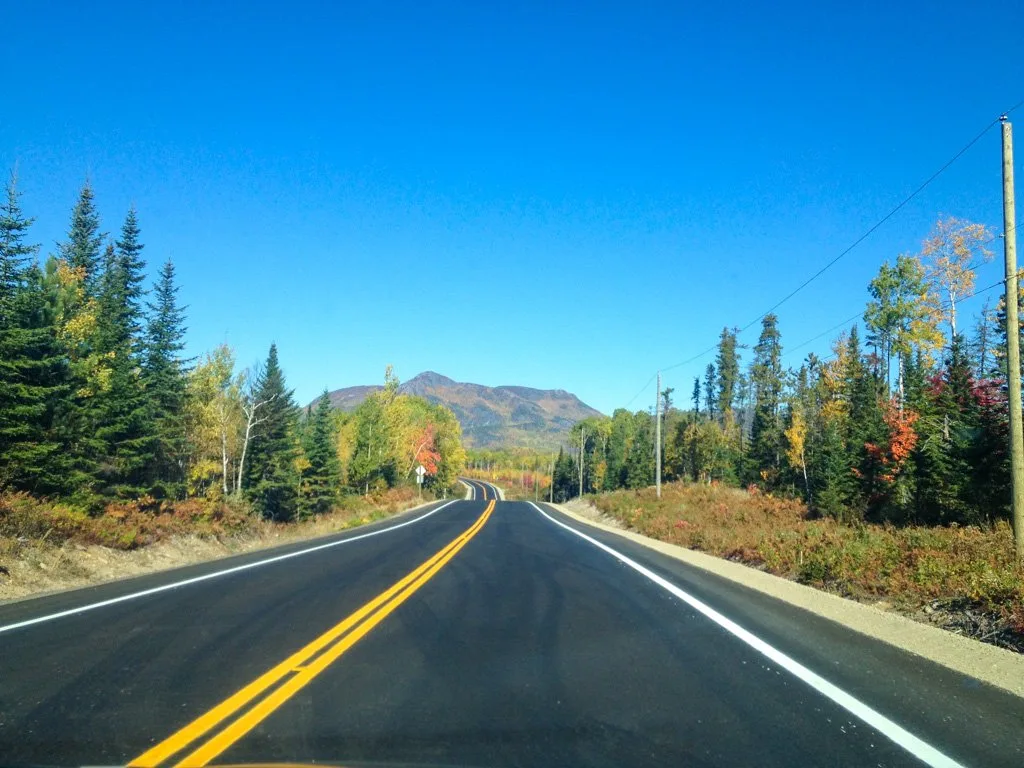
(871, 230)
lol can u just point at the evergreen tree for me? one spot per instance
(865, 391)
(321, 476)
(640, 461)
(163, 376)
(82, 250)
(271, 477)
(31, 367)
(767, 428)
(949, 437)
(727, 365)
(14, 251)
(831, 479)
(709, 390)
(565, 480)
(126, 425)
(695, 397)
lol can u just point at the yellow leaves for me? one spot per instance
(81, 325)
(796, 440)
(951, 251)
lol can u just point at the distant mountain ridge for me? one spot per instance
(491, 417)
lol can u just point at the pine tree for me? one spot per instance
(640, 460)
(126, 424)
(321, 476)
(82, 250)
(766, 377)
(271, 483)
(14, 251)
(163, 376)
(31, 368)
(710, 383)
(565, 480)
(727, 365)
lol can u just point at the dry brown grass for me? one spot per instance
(46, 546)
(912, 568)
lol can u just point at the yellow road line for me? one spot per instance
(299, 666)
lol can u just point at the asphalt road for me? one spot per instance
(477, 633)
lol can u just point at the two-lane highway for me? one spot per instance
(477, 632)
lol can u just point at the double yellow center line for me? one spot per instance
(240, 713)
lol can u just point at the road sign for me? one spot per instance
(420, 472)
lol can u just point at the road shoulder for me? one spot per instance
(987, 663)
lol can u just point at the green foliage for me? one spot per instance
(321, 474)
(82, 249)
(766, 376)
(32, 370)
(99, 409)
(928, 448)
(727, 366)
(272, 477)
(125, 423)
(163, 376)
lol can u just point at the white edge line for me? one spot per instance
(214, 575)
(920, 749)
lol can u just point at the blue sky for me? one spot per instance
(554, 194)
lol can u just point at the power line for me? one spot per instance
(972, 265)
(971, 295)
(963, 150)
(873, 228)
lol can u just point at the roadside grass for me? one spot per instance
(140, 523)
(47, 545)
(933, 573)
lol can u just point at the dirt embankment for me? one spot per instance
(49, 562)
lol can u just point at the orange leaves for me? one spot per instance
(425, 449)
(902, 440)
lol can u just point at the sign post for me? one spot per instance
(420, 474)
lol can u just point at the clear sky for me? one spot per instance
(552, 194)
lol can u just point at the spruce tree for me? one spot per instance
(31, 367)
(640, 459)
(766, 377)
(565, 479)
(709, 390)
(271, 483)
(727, 366)
(865, 391)
(126, 425)
(321, 476)
(82, 249)
(163, 376)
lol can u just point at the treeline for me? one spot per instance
(98, 403)
(907, 425)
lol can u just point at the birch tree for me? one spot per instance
(950, 253)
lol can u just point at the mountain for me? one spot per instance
(491, 417)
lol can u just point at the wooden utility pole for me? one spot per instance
(1013, 341)
(657, 436)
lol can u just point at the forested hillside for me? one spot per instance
(99, 405)
(905, 422)
(505, 417)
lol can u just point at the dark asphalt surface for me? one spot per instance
(530, 647)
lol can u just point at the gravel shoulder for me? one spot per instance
(988, 663)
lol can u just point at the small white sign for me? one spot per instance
(420, 472)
